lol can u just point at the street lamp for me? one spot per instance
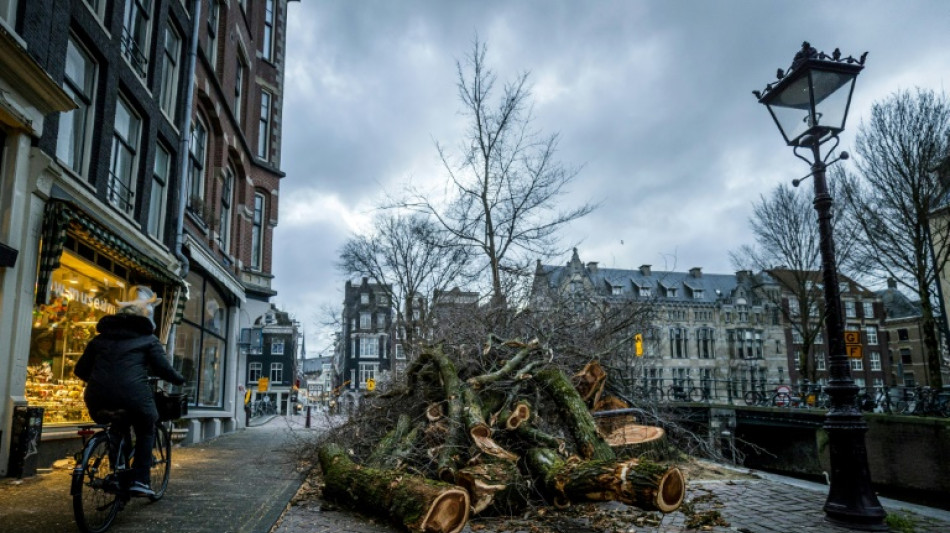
(809, 104)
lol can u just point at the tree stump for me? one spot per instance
(421, 505)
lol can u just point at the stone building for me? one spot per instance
(365, 348)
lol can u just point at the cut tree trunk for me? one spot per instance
(640, 483)
(421, 505)
(590, 382)
(576, 416)
(387, 445)
(494, 488)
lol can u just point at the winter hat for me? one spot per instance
(143, 304)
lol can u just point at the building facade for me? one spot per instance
(106, 190)
(904, 336)
(365, 348)
(271, 347)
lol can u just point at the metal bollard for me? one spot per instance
(308, 417)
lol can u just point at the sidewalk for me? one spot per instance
(236, 483)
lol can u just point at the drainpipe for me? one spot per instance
(186, 136)
(183, 152)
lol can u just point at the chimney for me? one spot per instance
(592, 267)
(891, 283)
(696, 272)
(645, 270)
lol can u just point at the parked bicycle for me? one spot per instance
(780, 397)
(929, 402)
(103, 471)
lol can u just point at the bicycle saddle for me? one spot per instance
(110, 416)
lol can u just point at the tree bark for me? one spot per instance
(494, 487)
(642, 484)
(575, 414)
(420, 504)
(388, 444)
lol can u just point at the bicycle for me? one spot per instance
(102, 476)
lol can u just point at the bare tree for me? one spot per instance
(505, 181)
(892, 192)
(410, 258)
(787, 247)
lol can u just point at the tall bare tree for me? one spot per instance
(787, 247)
(892, 192)
(505, 181)
(411, 258)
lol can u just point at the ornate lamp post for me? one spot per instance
(809, 104)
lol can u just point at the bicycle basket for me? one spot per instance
(171, 406)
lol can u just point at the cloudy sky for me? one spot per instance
(652, 98)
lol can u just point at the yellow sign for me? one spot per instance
(854, 351)
(638, 344)
(370, 384)
(263, 384)
(852, 337)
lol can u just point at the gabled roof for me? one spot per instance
(897, 305)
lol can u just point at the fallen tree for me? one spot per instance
(514, 428)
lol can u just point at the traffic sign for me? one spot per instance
(854, 351)
(852, 336)
(638, 344)
(370, 384)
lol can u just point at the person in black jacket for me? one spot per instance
(116, 365)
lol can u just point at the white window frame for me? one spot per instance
(124, 161)
(171, 61)
(267, 37)
(616, 290)
(850, 309)
(8, 12)
(868, 309)
(367, 371)
(364, 298)
(645, 292)
(820, 361)
(871, 332)
(263, 129)
(875, 358)
(197, 160)
(161, 171)
(857, 365)
(380, 321)
(399, 352)
(224, 209)
(369, 347)
(136, 34)
(214, 17)
(254, 372)
(366, 321)
(276, 373)
(277, 347)
(257, 232)
(73, 142)
(698, 294)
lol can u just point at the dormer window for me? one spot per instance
(644, 292)
(616, 290)
(671, 292)
(697, 294)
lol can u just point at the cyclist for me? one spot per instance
(115, 367)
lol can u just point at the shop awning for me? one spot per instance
(60, 219)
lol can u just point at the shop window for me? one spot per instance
(75, 127)
(80, 294)
(200, 347)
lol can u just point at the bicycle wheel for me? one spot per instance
(161, 461)
(697, 394)
(781, 399)
(751, 397)
(95, 502)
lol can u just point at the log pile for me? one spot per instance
(518, 432)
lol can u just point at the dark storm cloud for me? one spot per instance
(652, 98)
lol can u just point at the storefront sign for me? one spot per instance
(85, 298)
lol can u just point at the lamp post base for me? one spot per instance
(851, 501)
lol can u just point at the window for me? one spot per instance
(868, 309)
(156, 202)
(400, 354)
(872, 335)
(277, 372)
(857, 364)
(214, 10)
(903, 335)
(381, 320)
(75, 127)
(254, 372)
(369, 347)
(909, 380)
(365, 320)
(364, 298)
(645, 292)
(616, 291)
(906, 357)
(168, 91)
(8, 12)
(705, 342)
(367, 372)
(875, 358)
(224, 213)
(797, 336)
(197, 153)
(239, 76)
(843, 287)
(277, 347)
(201, 343)
(263, 130)
(267, 42)
(257, 233)
(698, 294)
(135, 36)
(849, 310)
(125, 141)
(678, 347)
(820, 362)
